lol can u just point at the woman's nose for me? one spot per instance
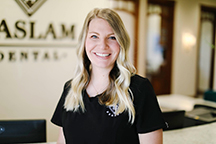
(103, 44)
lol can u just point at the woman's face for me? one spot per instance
(101, 45)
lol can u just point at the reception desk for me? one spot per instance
(203, 134)
(181, 102)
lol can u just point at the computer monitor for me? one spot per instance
(174, 119)
(22, 131)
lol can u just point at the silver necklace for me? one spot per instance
(102, 89)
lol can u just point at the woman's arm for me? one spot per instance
(155, 137)
(61, 139)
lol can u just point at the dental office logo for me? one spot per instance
(23, 33)
(30, 6)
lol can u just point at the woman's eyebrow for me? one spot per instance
(94, 33)
(111, 34)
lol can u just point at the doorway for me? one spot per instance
(206, 50)
(159, 44)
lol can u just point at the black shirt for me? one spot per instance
(99, 124)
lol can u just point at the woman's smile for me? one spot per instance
(102, 55)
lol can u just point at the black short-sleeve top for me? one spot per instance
(100, 125)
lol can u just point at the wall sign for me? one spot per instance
(24, 29)
(33, 35)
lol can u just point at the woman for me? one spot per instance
(106, 102)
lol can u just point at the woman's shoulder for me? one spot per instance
(67, 85)
(137, 80)
(140, 85)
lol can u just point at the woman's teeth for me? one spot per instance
(102, 55)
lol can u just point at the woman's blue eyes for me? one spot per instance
(112, 37)
(94, 36)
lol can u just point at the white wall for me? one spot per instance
(185, 61)
(30, 89)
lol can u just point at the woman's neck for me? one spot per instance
(100, 75)
(99, 82)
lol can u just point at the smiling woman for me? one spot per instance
(106, 102)
(101, 45)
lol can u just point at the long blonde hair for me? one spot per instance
(118, 92)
